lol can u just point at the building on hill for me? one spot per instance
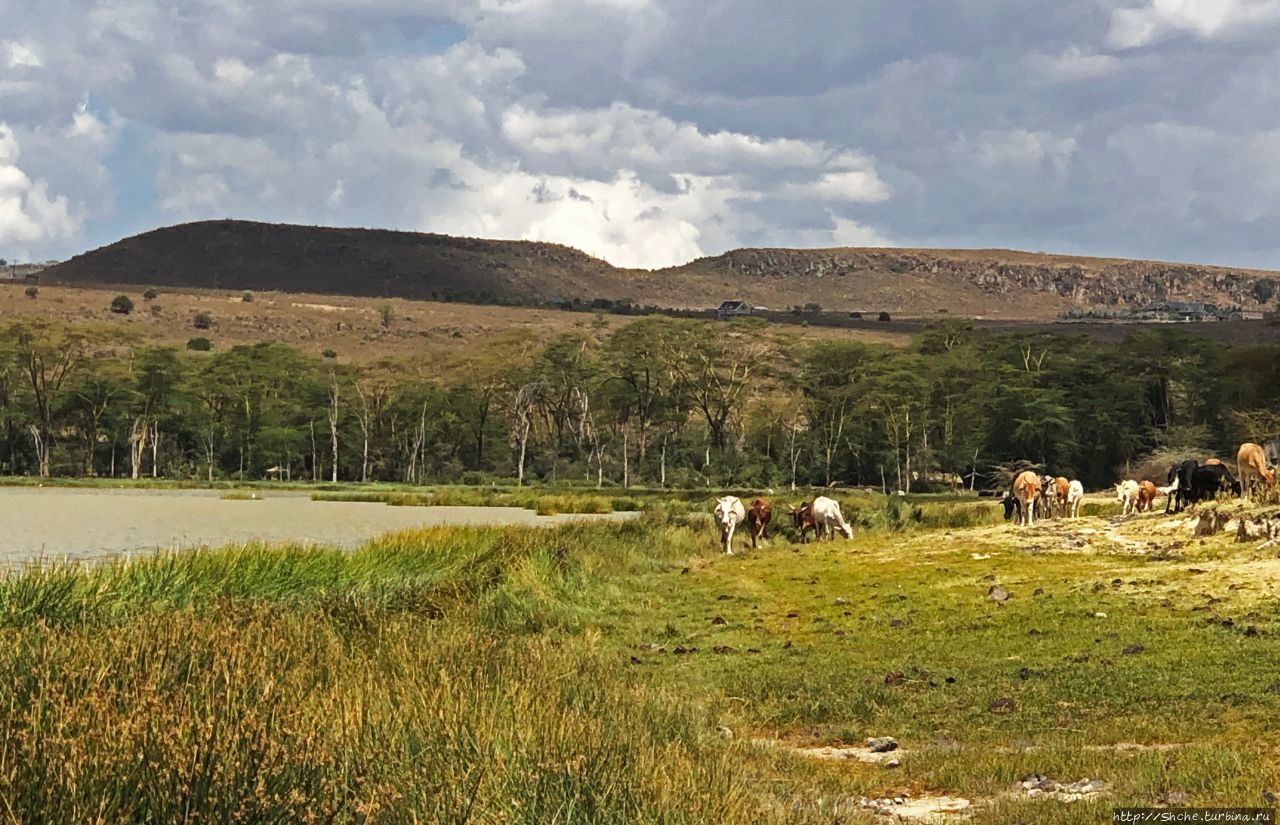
(734, 309)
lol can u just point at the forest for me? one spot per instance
(659, 402)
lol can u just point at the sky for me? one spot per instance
(651, 132)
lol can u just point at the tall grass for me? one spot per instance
(436, 675)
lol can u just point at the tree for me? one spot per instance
(150, 294)
(32, 292)
(122, 305)
(202, 320)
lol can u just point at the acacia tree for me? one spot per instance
(47, 356)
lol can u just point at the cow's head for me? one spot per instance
(799, 514)
(1011, 504)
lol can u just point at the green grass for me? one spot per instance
(579, 674)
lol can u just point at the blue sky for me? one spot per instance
(649, 132)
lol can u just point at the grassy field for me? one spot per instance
(631, 673)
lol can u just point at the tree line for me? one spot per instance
(659, 401)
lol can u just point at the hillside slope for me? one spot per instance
(380, 263)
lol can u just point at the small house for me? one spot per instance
(734, 309)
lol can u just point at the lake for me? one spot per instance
(83, 524)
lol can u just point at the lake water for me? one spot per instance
(83, 524)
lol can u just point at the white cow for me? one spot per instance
(826, 512)
(1075, 495)
(729, 514)
(1127, 494)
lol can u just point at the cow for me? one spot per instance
(1023, 497)
(1179, 484)
(1127, 494)
(759, 514)
(729, 514)
(1061, 489)
(1075, 495)
(1047, 493)
(1251, 465)
(1207, 482)
(1147, 492)
(826, 512)
(802, 518)
(1213, 462)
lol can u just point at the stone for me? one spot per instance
(882, 744)
(996, 593)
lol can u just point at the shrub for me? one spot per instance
(150, 294)
(32, 292)
(200, 345)
(386, 314)
(329, 353)
(247, 297)
(857, 315)
(122, 305)
(203, 320)
(884, 316)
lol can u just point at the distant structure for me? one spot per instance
(1189, 312)
(734, 309)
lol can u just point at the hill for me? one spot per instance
(240, 255)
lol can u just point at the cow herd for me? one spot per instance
(1188, 482)
(822, 516)
(1048, 495)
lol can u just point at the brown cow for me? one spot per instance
(1147, 492)
(1026, 489)
(1210, 462)
(1061, 487)
(759, 514)
(803, 519)
(1251, 465)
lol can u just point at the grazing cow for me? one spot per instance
(1127, 494)
(1179, 482)
(1075, 495)
(1047, 493)
(1207, 482)
(729, 514)
(1147, 492)
(1251, 464)
(1026, 491)
(759, 514)
(826, 512)
(802, 518)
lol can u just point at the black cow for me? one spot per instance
(1209, 480)
(1181, 475)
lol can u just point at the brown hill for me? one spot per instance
(379, 263)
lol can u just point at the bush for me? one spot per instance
(32, 292)
(122, 305)
(247, 297)
(856, 315)
(386, 314)
(329, 354)
(884, 316)
(203, 320)
(200, 345)
(150, 294)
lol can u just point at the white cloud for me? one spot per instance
(1072, 64)
(28, 215)
(1140, 26)
(22, 55)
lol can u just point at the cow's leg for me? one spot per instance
(1031, 513)
(728, 538)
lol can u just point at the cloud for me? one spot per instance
(28, 215)
(649, 131)
(1157, 19)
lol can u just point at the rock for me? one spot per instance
(1002, 705)
(997, 594)
(718, 620)
(841, 600)
(725, 733)
(722, 649)
(892, 763)
(1039, 591)
(723, 597)
(1133, 650)
(786, 645)
(897, 677)
(1099, 615)
(1251, 631)
(1176, 798)
(882, 744)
